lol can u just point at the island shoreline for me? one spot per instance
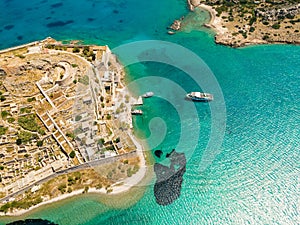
(140, 179)
(222, 35)
(144, 176)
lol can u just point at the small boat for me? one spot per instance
(137, 112)
(171, 32)
(148, 94)
(200, 96)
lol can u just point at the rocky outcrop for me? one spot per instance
(193, 3)
(176, 26)
(275, 22)
(169, 179)
(32, 222)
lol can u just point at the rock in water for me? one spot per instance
(158, 153)
(167, 187)
(32, 222)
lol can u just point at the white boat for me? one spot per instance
(171, 32)
(148, 94)
(137, 112)
(200, 96)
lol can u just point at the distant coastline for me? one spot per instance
(240, 33)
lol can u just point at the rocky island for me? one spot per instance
(65, 124)
(242, 22)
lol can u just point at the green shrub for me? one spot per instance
(266, 37)
(5, 207)
(19, 141)
(4, 114)
(11, 119)
(129, 172)
(28, 123)
(252, 20)
(76, 50)
(265, 23)
(39, 143)
(77, 175)
(78, 117)
(84, 80)
(62, 188)
(69, 189)
(72, 154)
(31, 99)
(276, 26)
(26, 136)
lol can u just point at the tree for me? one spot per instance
(86, 189)
(39, 143)
(19, 141)
(28, 123)
(5, 207)
(62, 188)
(76, 50)
(3, 130)
(252, 29)
(266, 37)
(41, 131)
(31, 99)
(101, 141)
(71, 135)
(276, 26)
(72, 154)
(77, 175)
(11, 119)
(2, 98)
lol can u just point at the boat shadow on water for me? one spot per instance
(190, 100)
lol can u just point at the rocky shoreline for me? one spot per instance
(237, 32)
(175, 26)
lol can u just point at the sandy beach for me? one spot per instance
(215, 22)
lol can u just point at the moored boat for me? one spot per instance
(200, 96)
(137, 112)
(171, 32)
(148, 94)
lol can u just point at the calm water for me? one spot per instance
(255, 177)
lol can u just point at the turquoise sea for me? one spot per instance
(252, 177)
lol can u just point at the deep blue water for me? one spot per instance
(253, 177)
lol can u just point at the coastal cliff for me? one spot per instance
(239, 23)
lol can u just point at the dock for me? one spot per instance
(139, 101)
